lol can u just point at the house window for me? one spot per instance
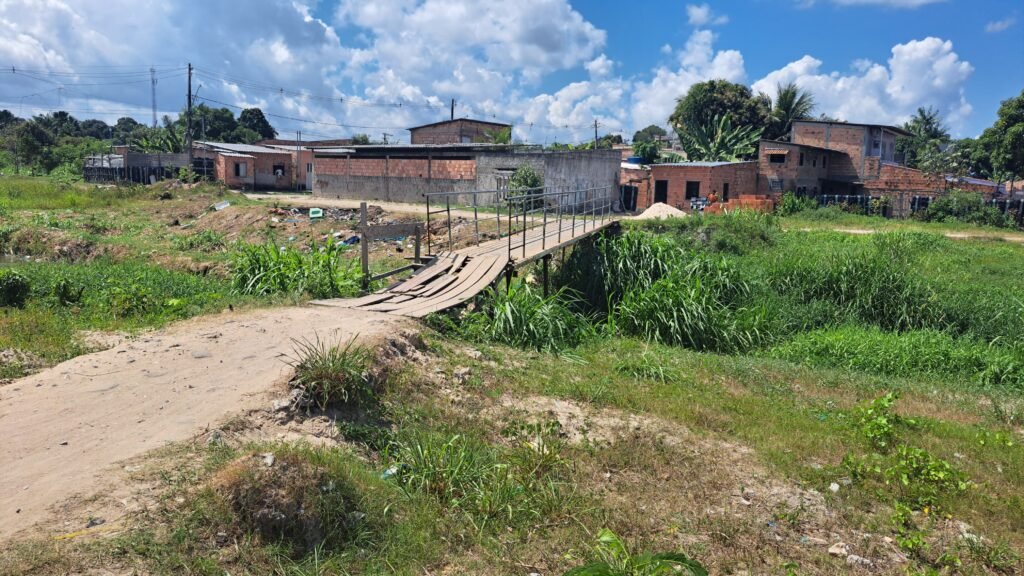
(801, 158)
(725, 192)
(278, 170)
(692, 190)
(776, 158)
(240, 169)
(309, 167)
(824, 161)
(814, 162)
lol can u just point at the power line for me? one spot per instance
(294, 119)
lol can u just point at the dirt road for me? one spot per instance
(63, 428)
(307, 201)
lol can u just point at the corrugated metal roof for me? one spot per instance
(235, 155)
(703, 164)
(242, 148)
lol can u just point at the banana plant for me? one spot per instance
(616, 560)
(719, 141)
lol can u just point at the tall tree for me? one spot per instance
(715, 99)
(253, 119)
(213, 124)
(790, 103)
(360, 139)
(59, 123)
(8, 119)
(93, 128)
(649, 134)
(929, 136)
(720, 141)
(123, 129)
(1005, 138)
(32, 139)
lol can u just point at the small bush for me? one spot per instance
(878, 423)
(132, 298)
(328, 374)
(968, 207)
(792, 204)
(521, 316)
(922, 480)
(14, 288)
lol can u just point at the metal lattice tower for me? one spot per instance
(152, 79)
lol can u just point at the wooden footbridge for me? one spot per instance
(506, 232)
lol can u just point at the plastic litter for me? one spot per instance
(352, 240)
(315, 213)
(221, 205)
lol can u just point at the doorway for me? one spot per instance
(661, 191)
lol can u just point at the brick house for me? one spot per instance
(458, 131)
(679, 184)
(249, 166)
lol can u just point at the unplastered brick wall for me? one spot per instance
(846, 139)
(741, 177)
(441, 168)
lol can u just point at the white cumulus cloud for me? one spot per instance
(702, 15)
(918, 73)
(1000, 25)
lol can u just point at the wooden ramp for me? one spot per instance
(453, 278)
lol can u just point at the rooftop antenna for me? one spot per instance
(152, 80)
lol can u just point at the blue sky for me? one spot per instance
(552, 67)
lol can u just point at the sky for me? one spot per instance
(332, 68)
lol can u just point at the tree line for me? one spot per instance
(45, 142)
(719, 120)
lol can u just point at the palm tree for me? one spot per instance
(719, 141)
(791, 103)
(928, 136)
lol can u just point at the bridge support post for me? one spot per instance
(545, 264)
(509, 273)
(364, 246)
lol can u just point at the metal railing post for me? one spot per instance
(448, 208)
(558, 198)
(525, 205)
(428, 224)
(476, 221)
(497, 202)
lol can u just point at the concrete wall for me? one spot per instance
(409, 177)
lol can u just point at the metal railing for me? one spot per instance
(557, 211)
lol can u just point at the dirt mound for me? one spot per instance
(283, 496)
(14, 360)
(660, 211)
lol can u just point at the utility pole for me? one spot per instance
(298, 158)
(453, 108)
(188, 119)
(386, 137)
(595, 133)
(152, 81)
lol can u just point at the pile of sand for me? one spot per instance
(659, 211)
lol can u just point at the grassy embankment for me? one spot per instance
(746, 395)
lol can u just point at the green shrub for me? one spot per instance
(968, 207)
(132, 298)
(878, 423)
(739, 232)
(321, 272)
(922, 480)
(792, 204)
(330, 374)
(522, 316)
(14, 288)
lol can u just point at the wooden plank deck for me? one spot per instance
(453, 278)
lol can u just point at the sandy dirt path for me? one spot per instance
(64, 428)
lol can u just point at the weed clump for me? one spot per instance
(14, 288)
(327, 374)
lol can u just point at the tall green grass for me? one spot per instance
(907, 354)
(739, 232)
(320, 271)
(25, 193)
(522, 316)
